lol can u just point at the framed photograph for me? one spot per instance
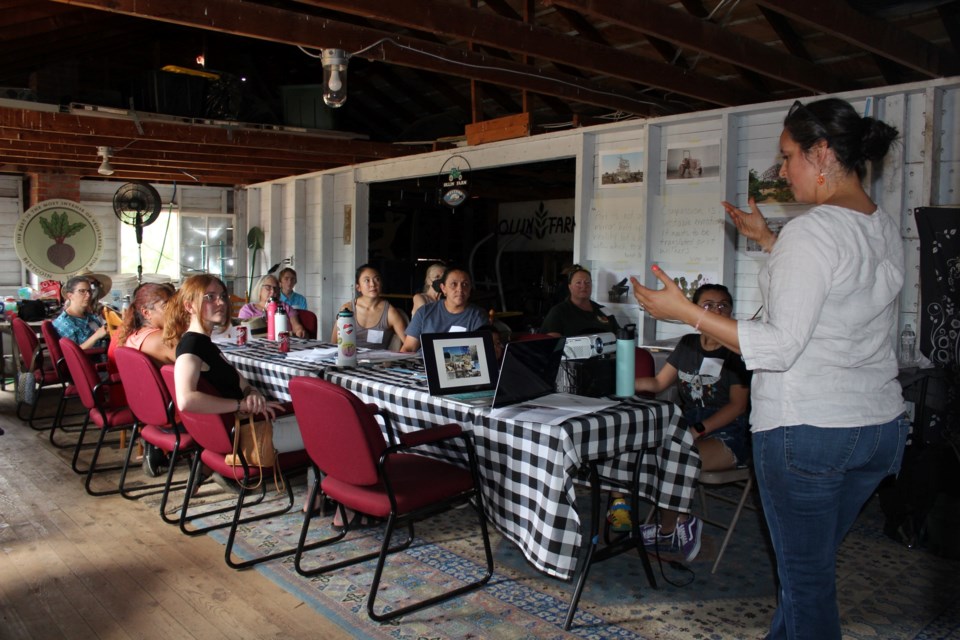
(693, 161)
(621, 168)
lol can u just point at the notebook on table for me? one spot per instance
(462, 367)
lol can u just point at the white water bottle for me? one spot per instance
(281, 322)
(346, 340)
(908, 346)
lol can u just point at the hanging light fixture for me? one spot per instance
(105, 168)
(334, 77)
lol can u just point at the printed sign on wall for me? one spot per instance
(539, 225)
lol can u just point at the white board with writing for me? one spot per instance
(688, 230)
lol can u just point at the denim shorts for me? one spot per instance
(735, 436)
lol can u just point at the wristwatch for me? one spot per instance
(698, 427)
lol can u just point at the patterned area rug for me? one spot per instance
(886, 590)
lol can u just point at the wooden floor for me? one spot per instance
(76, 566)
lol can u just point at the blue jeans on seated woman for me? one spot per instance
(736, 435)
(813, 482)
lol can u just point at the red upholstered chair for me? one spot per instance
(309, 321)
(644, 367)
(152, 406)
(362, 473)
(31, 359)
(68, 390)
(212, 434)
(94, 394)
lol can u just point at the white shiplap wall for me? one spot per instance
(926, 172)
(11, 206)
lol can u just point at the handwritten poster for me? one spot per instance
(689, 230)
(616, 229)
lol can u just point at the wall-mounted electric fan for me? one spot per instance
(137, 204)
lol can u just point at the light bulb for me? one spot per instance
(334, 77)
(334, 84)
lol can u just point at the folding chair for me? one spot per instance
(359, 470)
(68, 390)
(32, 360)
(309, 321)
(742, 476)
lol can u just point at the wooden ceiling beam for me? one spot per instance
(688, 32)
(787, 34)
(542, 43)
(124, 131)
(288, 27)
(839, 20)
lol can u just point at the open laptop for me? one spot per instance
(462, 367)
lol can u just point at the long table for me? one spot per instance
(529, 470)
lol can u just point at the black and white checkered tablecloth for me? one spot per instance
(529, 468)
(263, 366)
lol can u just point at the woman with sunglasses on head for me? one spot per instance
(269, 287)
(714, 390)
(827, 416)
(77, 321)
(142, 327)
(377, 321)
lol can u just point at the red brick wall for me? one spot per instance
(53, 186)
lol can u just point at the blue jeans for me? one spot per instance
(813, 482)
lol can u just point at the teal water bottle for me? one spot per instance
(626, 354)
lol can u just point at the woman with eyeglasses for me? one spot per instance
(714, 390)
(269, 287)
(828, 415)
(578, 314)
(77, 321)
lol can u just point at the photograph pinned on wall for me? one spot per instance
(693, 161)
(621, 168)
(764, 183)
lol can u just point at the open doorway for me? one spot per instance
(514, 233)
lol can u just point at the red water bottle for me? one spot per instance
(271, 312)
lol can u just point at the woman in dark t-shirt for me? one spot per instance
(201, 304)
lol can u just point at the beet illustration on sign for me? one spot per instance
(59, 228)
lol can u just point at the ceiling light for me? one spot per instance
(105, 168)
(334, 77)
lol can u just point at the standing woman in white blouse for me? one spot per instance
(827, 417)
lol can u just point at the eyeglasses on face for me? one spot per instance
(83, 292)
(272, 287)
(716, 306)
(214, 297)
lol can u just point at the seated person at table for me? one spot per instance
(578, 314)
(269, 286)
(288, 280)
(201, 304)
(77, 320)
(431, 287)
(714, 387)
(142, 327)
(453, 312)
(375, 319)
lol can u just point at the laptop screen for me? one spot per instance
(459, 362)
(529, 370)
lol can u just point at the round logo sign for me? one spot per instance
(56, 238)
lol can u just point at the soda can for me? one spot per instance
(284, 339)
(241, 336)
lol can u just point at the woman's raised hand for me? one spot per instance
(668, 303)
(751, 225)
